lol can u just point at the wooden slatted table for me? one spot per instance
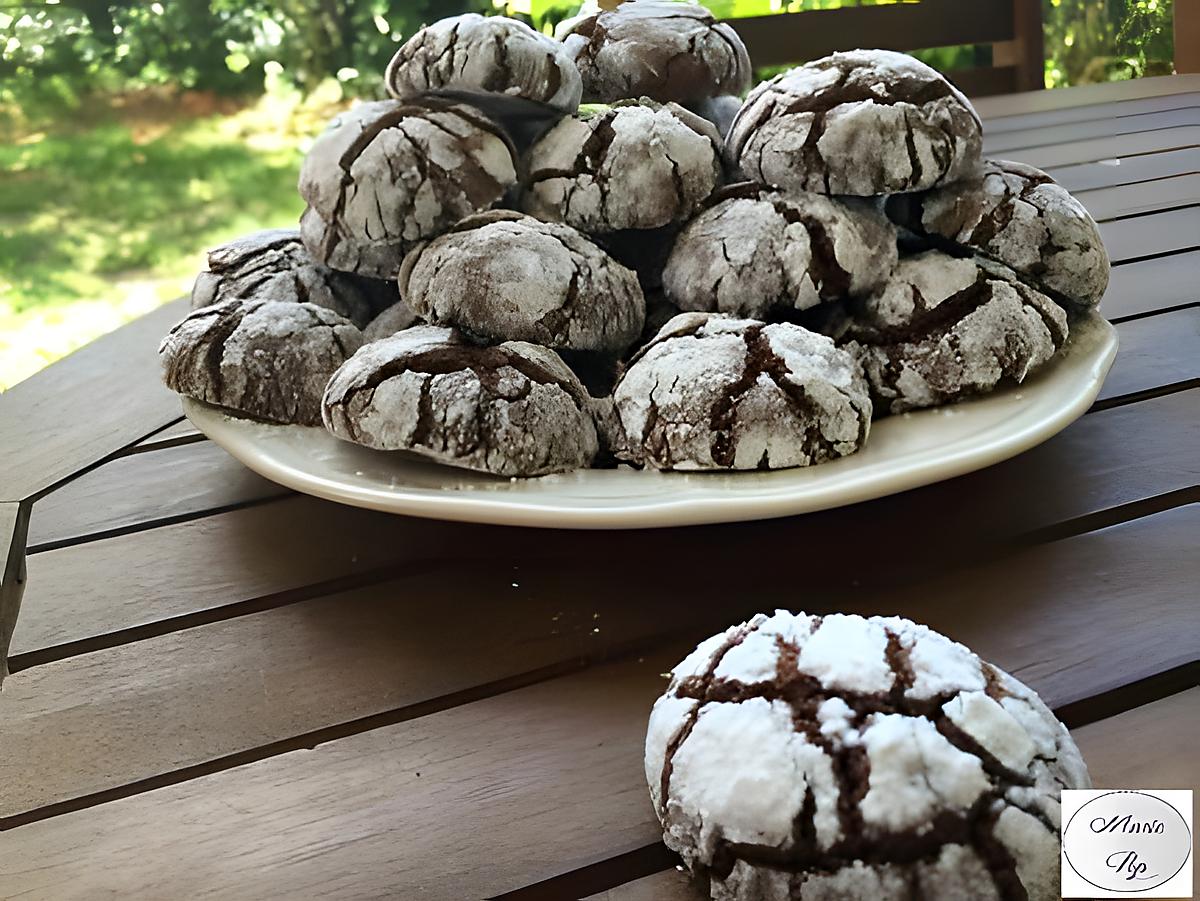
(223, 689)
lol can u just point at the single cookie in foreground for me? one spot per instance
(512, 410)
(863, 122)
(634, 165)
(711, 392)
(386, 175)
(837, 757)
(485, 59)
(1021, 217)
(268, 359)
(756, 252)
(945, 328)
(658, 49)
(274, 265)
(504, 276)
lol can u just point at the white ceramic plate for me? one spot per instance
(903, 452)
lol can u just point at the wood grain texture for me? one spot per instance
(1115, 146)
(1129, 170)
(353, 817)
(1135, 200)
(1086, 99)
(266, 677)
(1156, 352)
(138, 489)
(998, 143)
(1154, 233)
(1148, 285)
(14, 523)
(1116, 749)
(72, 414)
(131, 581)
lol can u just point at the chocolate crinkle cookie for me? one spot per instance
(482, 58)
(757, 251)
(274, 265)
(659, 49)
(502, 276)
(635, 165)
(837, 757)
(863, 122)
(945, 327)
(1021, 217)
(387, 174)
(267, 359)
(712, 392)
(512, 410)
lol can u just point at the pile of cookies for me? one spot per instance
(494, 276)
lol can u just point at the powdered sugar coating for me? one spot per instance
(513, 410)
(474, 54)
(633, 166)
(658, 49)
(268, 359)
(1018, 216)
(395, 318)
(889, 796)
(758, 251)
(945, 328)
(386, 175)
(505, 276)
(712, 392)
(274, 265)
(863, 122)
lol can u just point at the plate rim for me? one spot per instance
(659, 512)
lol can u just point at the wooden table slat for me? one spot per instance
(1140, 199)
(1083, 101)
(579, 737)
(1127, 170)
(1160, 233)
(1121, 146)
(101, 398)
(147, 487)
(1156, 351)
(14, 523)
(1183, 111)
(1146, 286)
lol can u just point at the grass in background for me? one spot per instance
(101, 225)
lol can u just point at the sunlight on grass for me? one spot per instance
(100, 226)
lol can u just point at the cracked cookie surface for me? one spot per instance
(274, 265)
(658, 49)
(632, 166)
(268, 359)
(511, 410)
(489, 55)
(838, 757)
(386, 175)
(757, 251)
(1021, 217)
(507, 276)
(712, 392)
(863, 122)
(945, 328)
(395, 318)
